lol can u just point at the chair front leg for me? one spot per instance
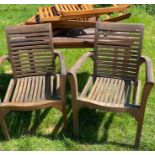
(139, 131)
(63, 98)
(74, 91)
(146, 91)
(4, 126)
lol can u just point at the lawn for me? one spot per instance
(42, 130)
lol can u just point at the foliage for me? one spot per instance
(149, 8)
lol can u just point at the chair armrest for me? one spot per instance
(63, 73)
(3, 58)
(78, 64)
(72, 74)
(62, 62)
(148, 83)
(149, 69)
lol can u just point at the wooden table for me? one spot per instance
(85, 39)
(66, 42)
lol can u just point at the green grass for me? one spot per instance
(41, 130)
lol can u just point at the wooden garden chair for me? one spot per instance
(78, 15)
(35, 84)
(114, 84)
(51, 14)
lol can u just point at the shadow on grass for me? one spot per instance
(89, 121)
(4, 82)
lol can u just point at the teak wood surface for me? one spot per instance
(84, 15)
(36, 84)
(76, 11)
(114, 85)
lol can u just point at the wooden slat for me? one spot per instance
(38, 96)
(32, 61)
(97, 90)
(43, 88)
(36, 83)
(50, 11)
(29, 39)
(51, 85)
(35, 54)
(119, 67)
(24, 88)
(73, 7)
(31, 74)
(32, 89)
(110, 100)
(102, 59)
(109, 87)
(100, 63)
(110, 53)
(45, 47)
(123, 76)
(117, 92)
(9, 91)
(28, 89)
(16, 91)
(44, 14)
(118, 27)
(101, 90)
(57, 84)
(118, 71)
(18, 44)
(87, 86)
(26, 70)
(22, 29)
(138, 93)
(94, 88)
(20, 89)
(103, 96)
(121, 96)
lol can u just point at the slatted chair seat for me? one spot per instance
(35, 84)
(107, 92)
(32, 93)
(29, 89)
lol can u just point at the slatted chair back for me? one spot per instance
(31, 50)
(117, 50)
(63, 8)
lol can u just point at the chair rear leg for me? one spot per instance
(76, 121)
(4, 129)
(139, 131)
(64, 118)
